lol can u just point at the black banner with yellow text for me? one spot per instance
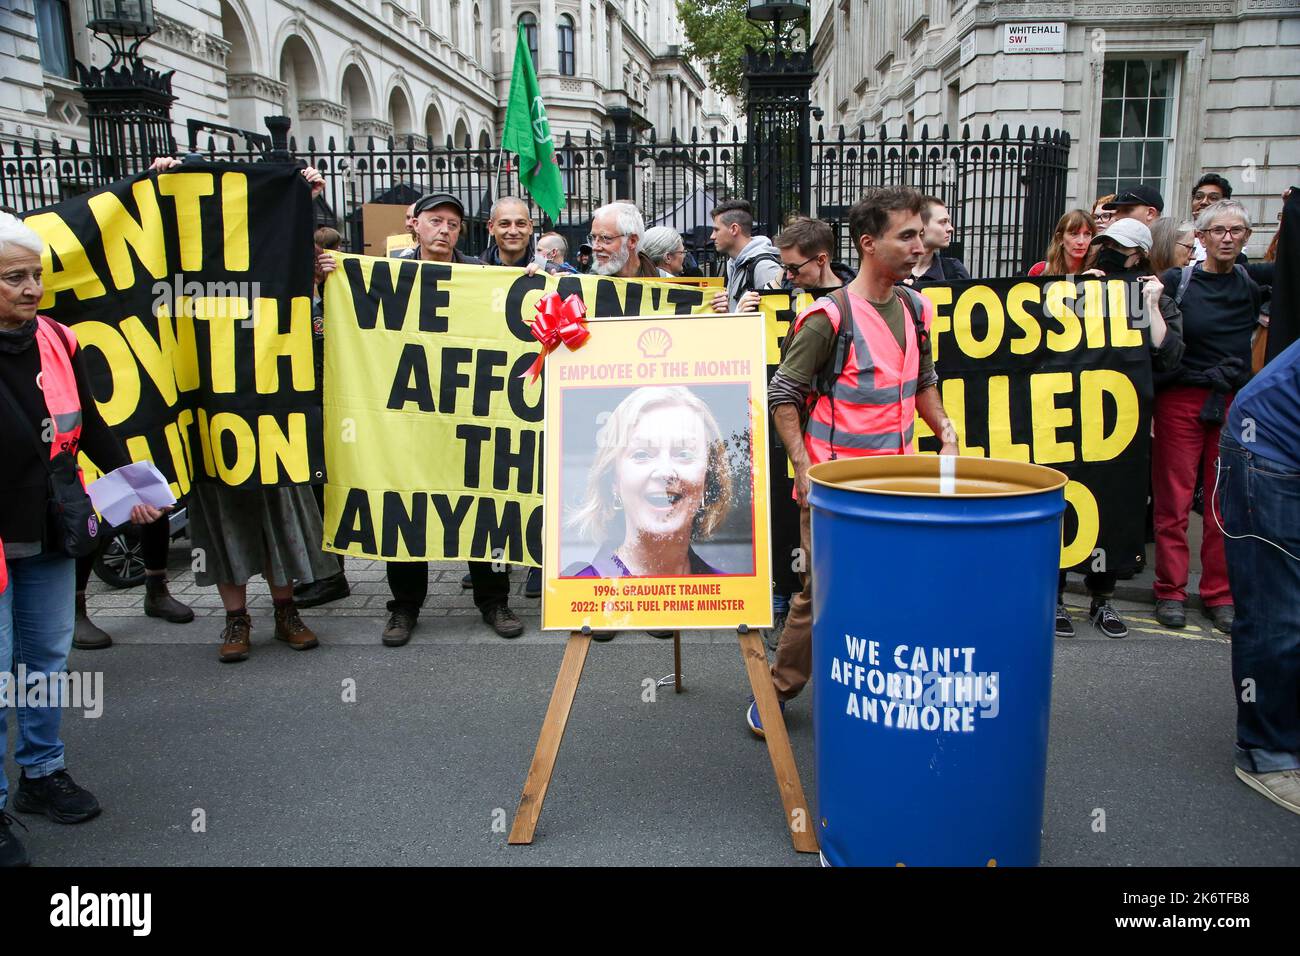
(1051, 370)
(190, 293)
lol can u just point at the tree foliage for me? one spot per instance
(716, 34)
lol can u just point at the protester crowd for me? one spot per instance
(1206, 305)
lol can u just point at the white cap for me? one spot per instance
(1128, 233)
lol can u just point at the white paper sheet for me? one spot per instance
(139, 483)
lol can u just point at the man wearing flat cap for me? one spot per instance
(439, 218)
(436, 221)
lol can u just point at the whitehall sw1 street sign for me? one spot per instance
(1033, 38)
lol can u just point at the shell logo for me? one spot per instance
(654, 342)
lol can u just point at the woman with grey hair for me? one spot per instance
(1220, 300)
(664, 246)
(48, 415)
(1172, 243)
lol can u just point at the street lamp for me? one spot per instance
(125, 23)
(129, 103)
(777, 85)
(777, 13)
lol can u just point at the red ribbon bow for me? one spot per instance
(558, 322)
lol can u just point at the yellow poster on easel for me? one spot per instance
(656, 493)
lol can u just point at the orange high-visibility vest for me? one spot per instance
(58, 384)
(873, 408)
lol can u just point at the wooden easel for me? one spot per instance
(798, 819)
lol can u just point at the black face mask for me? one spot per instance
(1112, 260)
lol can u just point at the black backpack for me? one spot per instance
(751, 266)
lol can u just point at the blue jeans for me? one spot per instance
(36, 623)
(1258, 496)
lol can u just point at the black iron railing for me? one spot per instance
(1005, 191)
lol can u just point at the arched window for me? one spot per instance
(529, 23)
(568, 63)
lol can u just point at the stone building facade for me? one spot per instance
(425, 68)
(1155, 92)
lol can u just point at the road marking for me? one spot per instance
(1187, 635)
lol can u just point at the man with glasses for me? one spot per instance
(1220, 301)
(616, 233)
(1208, 190)
(805, 246)
(439, 218)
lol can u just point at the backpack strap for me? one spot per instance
(1184, 281)
(1256, 293)
(830, 372)
(915, 307)
(751, 266)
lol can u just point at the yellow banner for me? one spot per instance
(656, 477)
(432, 427)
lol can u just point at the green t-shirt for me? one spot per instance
(814, 344)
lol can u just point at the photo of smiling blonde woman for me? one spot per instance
(660, 483)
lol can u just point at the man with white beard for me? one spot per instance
(616, 232)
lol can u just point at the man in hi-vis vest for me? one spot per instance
(854, 389)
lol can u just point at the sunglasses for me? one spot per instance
(793, 270)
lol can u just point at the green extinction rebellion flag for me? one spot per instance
(528, 135)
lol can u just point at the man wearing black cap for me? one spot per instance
(584, 257)
(1142, 203)
(438, 221)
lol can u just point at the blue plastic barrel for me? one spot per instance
(934, 596)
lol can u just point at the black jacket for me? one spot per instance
(24, 480)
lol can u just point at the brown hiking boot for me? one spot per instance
(86, 635)
(290, 629)
(236, 641)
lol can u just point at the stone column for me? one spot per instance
(253, 96)
(600, 69)
(320, 119)
(585, 65)
(616, 52)
(548, 41)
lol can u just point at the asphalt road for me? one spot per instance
(426, 764)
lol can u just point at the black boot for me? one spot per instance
(322, 591)
(85, 635)
(158, 601)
